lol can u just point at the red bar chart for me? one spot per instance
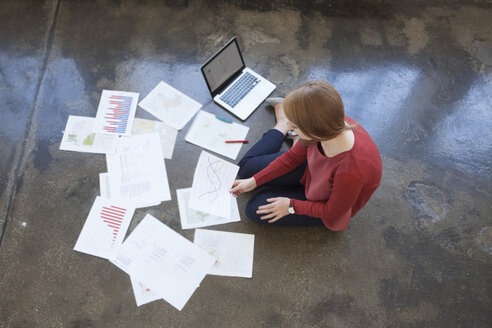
(105, 228)
(113, 216)
(116, 112)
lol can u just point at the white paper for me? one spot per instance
(131, 249)
(143, 294)
(79, 136)
(137, 172)
(170, 105)
(191, 218)
(170, 265)
(115, 112)
(105, 228)
(136, 242)
(233, 252)
(167, 133)
(211, 133)
(104, 185)
(105, 190)
(212, 181)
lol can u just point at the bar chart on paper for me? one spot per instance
(116, 112)
(113, 217)
(105, 228)
(79, 136)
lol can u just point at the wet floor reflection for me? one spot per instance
(389, 102)
(465, 136)
(18, 81)
(377, 97)
(62, 93)
(143, 74)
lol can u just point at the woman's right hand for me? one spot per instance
(242, 185)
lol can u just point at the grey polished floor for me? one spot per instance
(417, 75)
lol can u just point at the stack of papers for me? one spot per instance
(168, 264)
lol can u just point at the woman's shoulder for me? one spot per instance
(350, 120)
(359, 131)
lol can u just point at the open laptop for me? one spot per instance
(233, 85)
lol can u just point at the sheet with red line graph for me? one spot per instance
(105, 228)
(212, 181)
(116, 112)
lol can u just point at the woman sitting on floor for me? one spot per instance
(327, 176)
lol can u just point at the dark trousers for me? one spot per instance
(256, 159)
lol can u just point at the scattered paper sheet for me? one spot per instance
(212, 181)
(105, 190)
(143, 294)
(105, 228)
(233, 252)
(104, 185)
(191, 218)
(116, 112)
(170, 105)
(211, 133)
(167, 133)
(137, 172)
(79, 136)
(169, 264)
(136, 242)
(131, 249)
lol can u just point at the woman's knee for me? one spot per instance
(246, 169)
(250, 211)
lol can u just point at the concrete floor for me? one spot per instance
(417, 76)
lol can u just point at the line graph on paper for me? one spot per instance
(211, 183)
(214, 182)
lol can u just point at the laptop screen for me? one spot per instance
(223, 65)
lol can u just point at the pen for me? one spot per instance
(223, 119)
(236, 141)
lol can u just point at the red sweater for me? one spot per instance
(336, 187)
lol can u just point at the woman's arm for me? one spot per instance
(283, 164)
(337, 210)
(242, 185)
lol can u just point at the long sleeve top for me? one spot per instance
(337, 187)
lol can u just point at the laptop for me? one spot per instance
(233, 85)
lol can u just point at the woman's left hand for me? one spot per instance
(277, 209)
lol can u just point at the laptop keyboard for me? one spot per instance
(239, 89)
